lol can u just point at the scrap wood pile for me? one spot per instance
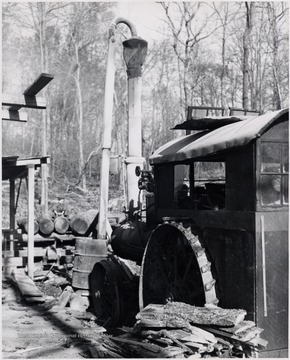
(174, 330)
(181, 330)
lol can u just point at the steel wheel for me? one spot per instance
(105, 294)
(175, 268)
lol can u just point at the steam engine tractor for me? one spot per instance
(216, 229)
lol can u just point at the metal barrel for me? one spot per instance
(88, 252)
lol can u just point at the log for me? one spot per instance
(61, 225)
(177, 314)
(86, 223)
(81, 223)
(23, 225)
(46, 226)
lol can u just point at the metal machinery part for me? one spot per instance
(129, 240)
(114, 291)
(104, 291)
(175, 267)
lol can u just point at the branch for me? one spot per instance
(91, 155)
(175, 32)
(61, 6)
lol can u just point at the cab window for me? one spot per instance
(274, 174)
(199, 185)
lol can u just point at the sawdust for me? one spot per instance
(31, 331)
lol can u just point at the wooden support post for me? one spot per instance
(12, 212)
(44, 188)
(107, 139)
(30, 244)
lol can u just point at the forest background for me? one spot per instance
(225, 54)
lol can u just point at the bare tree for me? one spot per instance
(81, 19)
(225, 17)
(181, 20)
(276, 14)
(40, 13)
(246, 50)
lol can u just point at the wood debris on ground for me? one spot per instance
(200, 330)
(173, 330)
(27, 287)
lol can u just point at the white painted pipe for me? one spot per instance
(107, 135)
(134, 144)
(107, 125)
(134, 121)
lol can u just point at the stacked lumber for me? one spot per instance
(201, 331)
(176, 314)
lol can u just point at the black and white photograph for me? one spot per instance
(145, 176)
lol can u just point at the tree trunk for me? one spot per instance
(223, 68)
(80, 119)
(246, 48)
(277, 99)
(44, 66)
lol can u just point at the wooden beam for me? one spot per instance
(38, 84)
(27, 101)
(33, 161)
(12, 204)
(27, 286)
(30, 220)
(14, 115)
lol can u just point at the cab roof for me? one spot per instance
(212, 142)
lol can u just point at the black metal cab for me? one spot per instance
(232, 183)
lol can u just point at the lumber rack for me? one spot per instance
(14, 167)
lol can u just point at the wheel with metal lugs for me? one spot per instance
(105, 293)
(175, 267)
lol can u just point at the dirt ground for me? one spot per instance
(33, 331)
(30, 330)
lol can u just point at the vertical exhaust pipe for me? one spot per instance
(135, 50)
